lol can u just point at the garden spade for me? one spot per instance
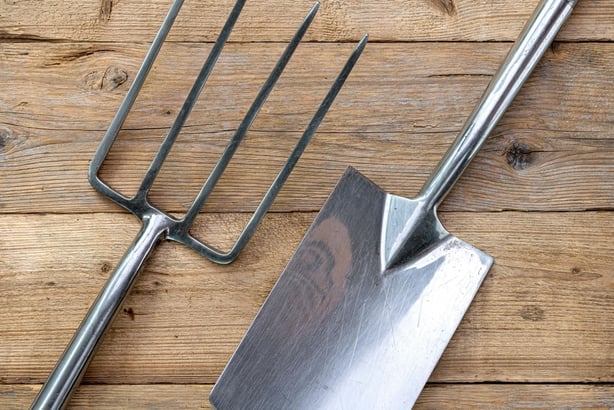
(367, 305)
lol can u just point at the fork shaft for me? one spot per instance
(73, 363)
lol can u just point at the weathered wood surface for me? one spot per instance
(272, 20)
(544, 313)
(394, 120)
(194, 396)
(539, 196)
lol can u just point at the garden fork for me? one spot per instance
(158, 225)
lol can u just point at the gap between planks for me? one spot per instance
(440, 396)
(274, 20)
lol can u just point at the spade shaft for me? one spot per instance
(527, 51)
(531, 45)
(366, 306)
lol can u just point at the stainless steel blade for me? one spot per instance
(339, 330)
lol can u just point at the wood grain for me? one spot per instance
(542, 315)
(270, 20)
(194, 396)
(395, 118)
(538, 197)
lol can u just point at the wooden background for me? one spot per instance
(539, 197)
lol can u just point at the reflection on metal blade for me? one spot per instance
(340, 332)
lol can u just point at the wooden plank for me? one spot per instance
(439, 396)
(150, 397)
(516, 396)
(394, 120)
(542, 315)
(272, 20)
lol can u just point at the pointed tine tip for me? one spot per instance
(360, 47)
(363, 42)
(353, 59)
(312, 13)
(305, 24)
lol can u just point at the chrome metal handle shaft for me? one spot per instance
(73, 363)
(531, 45)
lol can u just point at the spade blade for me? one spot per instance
(339, 329)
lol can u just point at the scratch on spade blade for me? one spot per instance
(389, 314)
(420, 312)
(362, 315)
(339, 345)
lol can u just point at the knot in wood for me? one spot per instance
(105, 268)
(108, 80)
(446, 7)
(532, 313)
(518, 155)
(114, 76)
(106, 8)
(6, 137)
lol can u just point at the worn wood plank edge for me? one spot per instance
(390, 20)
(439, 396)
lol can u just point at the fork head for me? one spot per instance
(178, 228)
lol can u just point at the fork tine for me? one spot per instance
(191, 99)
(249, 118)
(281, 178)
(118, 120)
(311, 129)
(156, 224)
